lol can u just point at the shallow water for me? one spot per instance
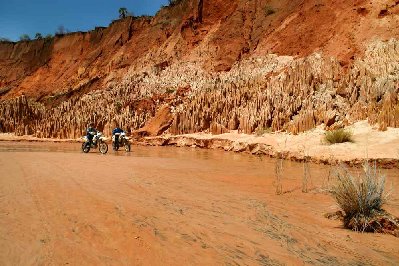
(159, 205)
(205, 162)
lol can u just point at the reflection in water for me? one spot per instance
(207, 163)
(6, 146)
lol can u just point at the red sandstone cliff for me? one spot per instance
(136, 61)
(216, 33)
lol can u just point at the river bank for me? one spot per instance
(368, 144)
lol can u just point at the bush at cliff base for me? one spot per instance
(338, 136)
(361, 199)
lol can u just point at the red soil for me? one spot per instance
(214, 33)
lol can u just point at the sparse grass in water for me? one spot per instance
(338, 136)
(329, 176)
(361, 198)
(306, 175)
(278, 170)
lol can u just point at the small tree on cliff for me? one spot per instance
(61, 30)
(174, 2)
(123, 13)
(24, 37)
(38, 36)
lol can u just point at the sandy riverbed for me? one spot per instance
(168, 206)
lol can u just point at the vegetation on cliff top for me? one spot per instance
(124, 13)
(24, 37)
(174, 2)
(4, 39)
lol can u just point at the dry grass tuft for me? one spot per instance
(278, 170)
(338, 136)
(361, 199)
(306, 175)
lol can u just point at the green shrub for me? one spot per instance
(261, 131)
(361, 198)
(24, 37)
(338, 136)
(124, 13)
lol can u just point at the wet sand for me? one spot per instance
(169, 206)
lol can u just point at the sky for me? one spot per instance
(19, 17)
